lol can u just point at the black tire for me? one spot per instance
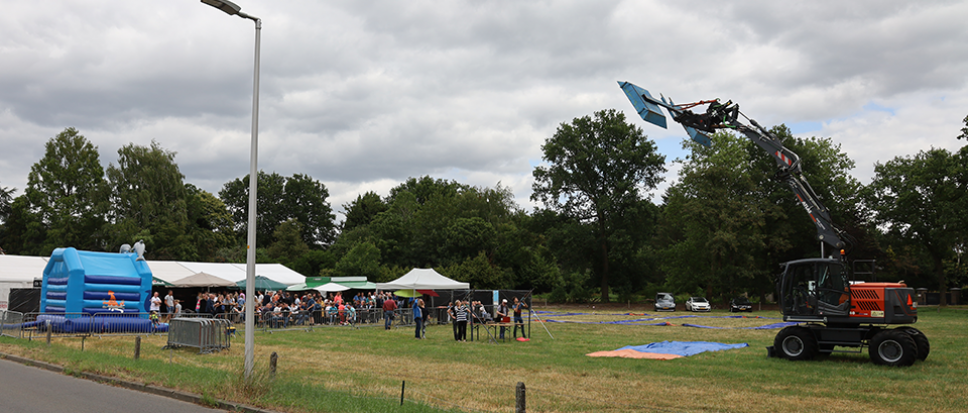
(893, 348)
(924, 346)
(795, 343)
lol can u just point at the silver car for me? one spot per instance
(697, 304)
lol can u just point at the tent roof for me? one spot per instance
(203, 280)
(22, 268)
(19, 268)
(331, 287)
(423, 279)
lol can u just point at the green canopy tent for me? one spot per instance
(264, 283)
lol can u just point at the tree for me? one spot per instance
(209, 223)
(714, 219)
(921, 198)
(964, 130)
(149, 198)
(361, 261)
(278, 200)
(362, 210)
(597, 168)
(23, 232)
(289, 244)
(65, 187)
(6, 199)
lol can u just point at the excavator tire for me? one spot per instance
(893, 348)
(924, 347)
(795, 343)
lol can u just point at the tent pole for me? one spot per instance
(535, 315)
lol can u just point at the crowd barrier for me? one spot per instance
(27, 325)
(207, 334)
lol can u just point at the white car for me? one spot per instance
(697, 304)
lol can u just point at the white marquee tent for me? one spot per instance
(423, 279)
(18, 271)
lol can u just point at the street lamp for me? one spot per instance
(233, 9)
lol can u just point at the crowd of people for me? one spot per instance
(461, 312)
(282, 309)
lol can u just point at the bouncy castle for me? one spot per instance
(95, 282)
(86, 291)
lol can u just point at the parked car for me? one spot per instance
(697, 304)
(665, 302)
(740, 304)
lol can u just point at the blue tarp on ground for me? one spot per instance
(683, 348)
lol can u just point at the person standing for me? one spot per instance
(502, 312)
(418, 318)
(155, 304)
(461, 311)
(452, 315)
(169, 305)
(518, 320)
(389, 306)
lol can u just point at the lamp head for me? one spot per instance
(224, 5)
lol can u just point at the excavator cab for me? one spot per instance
(814, 289)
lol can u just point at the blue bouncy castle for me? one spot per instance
(95, 282)
(89, 292)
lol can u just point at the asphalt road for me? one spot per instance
(26, 389)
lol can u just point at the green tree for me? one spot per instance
(289, 244)
(426, 188)
(363, 210)
(278, 200)
(149, 198)
(65, 187)
(921, 198)
(714, 218)
(361, 261)
(597, 168)
(209, 223)
(964, 130)
(23, 232)
(6, 199)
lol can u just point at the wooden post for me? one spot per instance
(137, 347)
(48, 333)
(402, 388)
(519, 405)
(273, 359)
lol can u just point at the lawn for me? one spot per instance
(343, 369)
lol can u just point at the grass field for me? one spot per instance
(344, 369)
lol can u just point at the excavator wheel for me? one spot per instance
(924, 347)
(893, 348)
(796, 343)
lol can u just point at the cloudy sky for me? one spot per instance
(362, 95)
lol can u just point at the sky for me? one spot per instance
(361, 95)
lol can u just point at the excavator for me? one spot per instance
(817, 293)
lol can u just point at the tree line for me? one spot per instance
(722, 229)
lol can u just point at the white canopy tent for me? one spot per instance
(203, 280)
(423, 279)
(331, 288)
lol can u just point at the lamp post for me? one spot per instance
(232, 9)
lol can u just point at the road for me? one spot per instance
(26, 389)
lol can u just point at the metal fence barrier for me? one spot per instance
(207, 334)
(11, 324)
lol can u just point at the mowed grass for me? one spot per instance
(345, 369)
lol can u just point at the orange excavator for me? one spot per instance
(816, 293)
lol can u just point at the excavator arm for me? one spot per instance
(725, 116)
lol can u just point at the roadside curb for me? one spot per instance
(142, 387)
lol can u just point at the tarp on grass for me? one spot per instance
(667, 350)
